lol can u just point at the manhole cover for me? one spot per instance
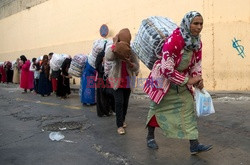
(60, 126)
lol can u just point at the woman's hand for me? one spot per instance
(130, 64)
(199, 84)
(194, 80)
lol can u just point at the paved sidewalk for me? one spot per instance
(26, 121)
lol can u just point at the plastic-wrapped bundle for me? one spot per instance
(40, 58)
(150, 38)
(57, 60)
(12, 63)
(74, 72)
(77, 65)
(97, 48)
(91, 60)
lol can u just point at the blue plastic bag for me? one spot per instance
(204, 103)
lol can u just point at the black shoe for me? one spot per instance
(200, 148)
(107, 114)
(151, 143)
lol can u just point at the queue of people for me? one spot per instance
(172, 103)
(37, 77)
(7, 73)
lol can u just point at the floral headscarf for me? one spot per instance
(192, 42)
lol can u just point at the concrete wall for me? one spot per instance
(65, 26)
(10, 7)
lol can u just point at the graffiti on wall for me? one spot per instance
(239, 48)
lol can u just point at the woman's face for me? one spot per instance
(45, 61)
(196, 25)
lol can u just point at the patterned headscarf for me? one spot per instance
(192, 42)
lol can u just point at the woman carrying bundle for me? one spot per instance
(170, 83)
(125, 66)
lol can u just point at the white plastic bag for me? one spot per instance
(56, 136)
(204, 103)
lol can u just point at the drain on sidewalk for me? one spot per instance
(60, 126)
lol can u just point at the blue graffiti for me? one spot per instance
(239, 48)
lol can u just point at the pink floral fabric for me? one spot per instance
(164, 70)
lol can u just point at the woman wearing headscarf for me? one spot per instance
(35, 68)
(53, 75)
(3, 74)
(9, 71)
(63, 84)
(16, 70)
(170, 83)
(27, 76)
(44, 85)
(125, 66)
(87, 92)
(102, 104)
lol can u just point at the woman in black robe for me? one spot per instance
(104, 101)
(63, 84)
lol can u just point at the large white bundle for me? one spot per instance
(91, 60)
(78, 64)
(57, 60)
(79, 60)
(97, 48)
(74, 72)
(13, 64)
(150, 38)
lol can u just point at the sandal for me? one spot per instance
(121, 131)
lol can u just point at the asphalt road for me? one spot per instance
(27, 120)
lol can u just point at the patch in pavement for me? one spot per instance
(61, 126)
(24, 116)
(118, 159)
